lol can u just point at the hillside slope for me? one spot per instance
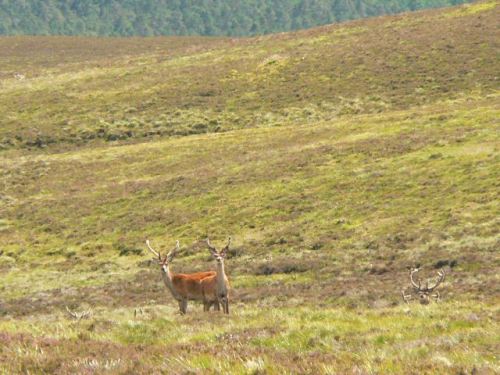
(329, 193)
(325, 220)
(134, 89)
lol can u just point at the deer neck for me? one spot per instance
(166, 275)
(221, 278)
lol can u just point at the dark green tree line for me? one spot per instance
(188, 17)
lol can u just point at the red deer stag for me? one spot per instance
(216, 288)
(183, 287)
(424, 291)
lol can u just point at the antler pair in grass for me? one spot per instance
(424, 290)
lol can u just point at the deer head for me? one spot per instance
(218, 255)
(424, 290)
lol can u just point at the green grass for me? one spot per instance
(440, 338)
(326, 218)
(329, 196)
(345, 184)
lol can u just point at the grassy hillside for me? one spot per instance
(330, 187)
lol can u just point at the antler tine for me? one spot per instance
(436, 295)
(406, 297)
(442, 275)
(223, 252)
(71, 313)
(174, 250)
(210, 245)
(151, 249)
(415, 285)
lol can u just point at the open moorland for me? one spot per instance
(337, 158)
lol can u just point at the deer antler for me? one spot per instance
(170, 254)
(226, 248)
(79, 315)
(424, 292)
(442, 275)
(415, 285)
(151, 249)
(173, 252)
(406, 297)
(212, 248)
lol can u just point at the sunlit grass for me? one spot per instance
(438, 337)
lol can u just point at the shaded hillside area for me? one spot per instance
(337, 159)
(189, 17)
(83, 91)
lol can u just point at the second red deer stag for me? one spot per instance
(183, 287)
(216, 288)
(424, 291)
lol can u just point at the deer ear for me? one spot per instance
(170, 257)
(212, 251)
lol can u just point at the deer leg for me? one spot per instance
(183, 306)
(225, 305)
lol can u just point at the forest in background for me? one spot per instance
(189, 17)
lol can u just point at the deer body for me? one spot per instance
(216, 289)
(208, 287)
(183, 287)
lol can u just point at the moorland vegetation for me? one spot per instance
(336, 158)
